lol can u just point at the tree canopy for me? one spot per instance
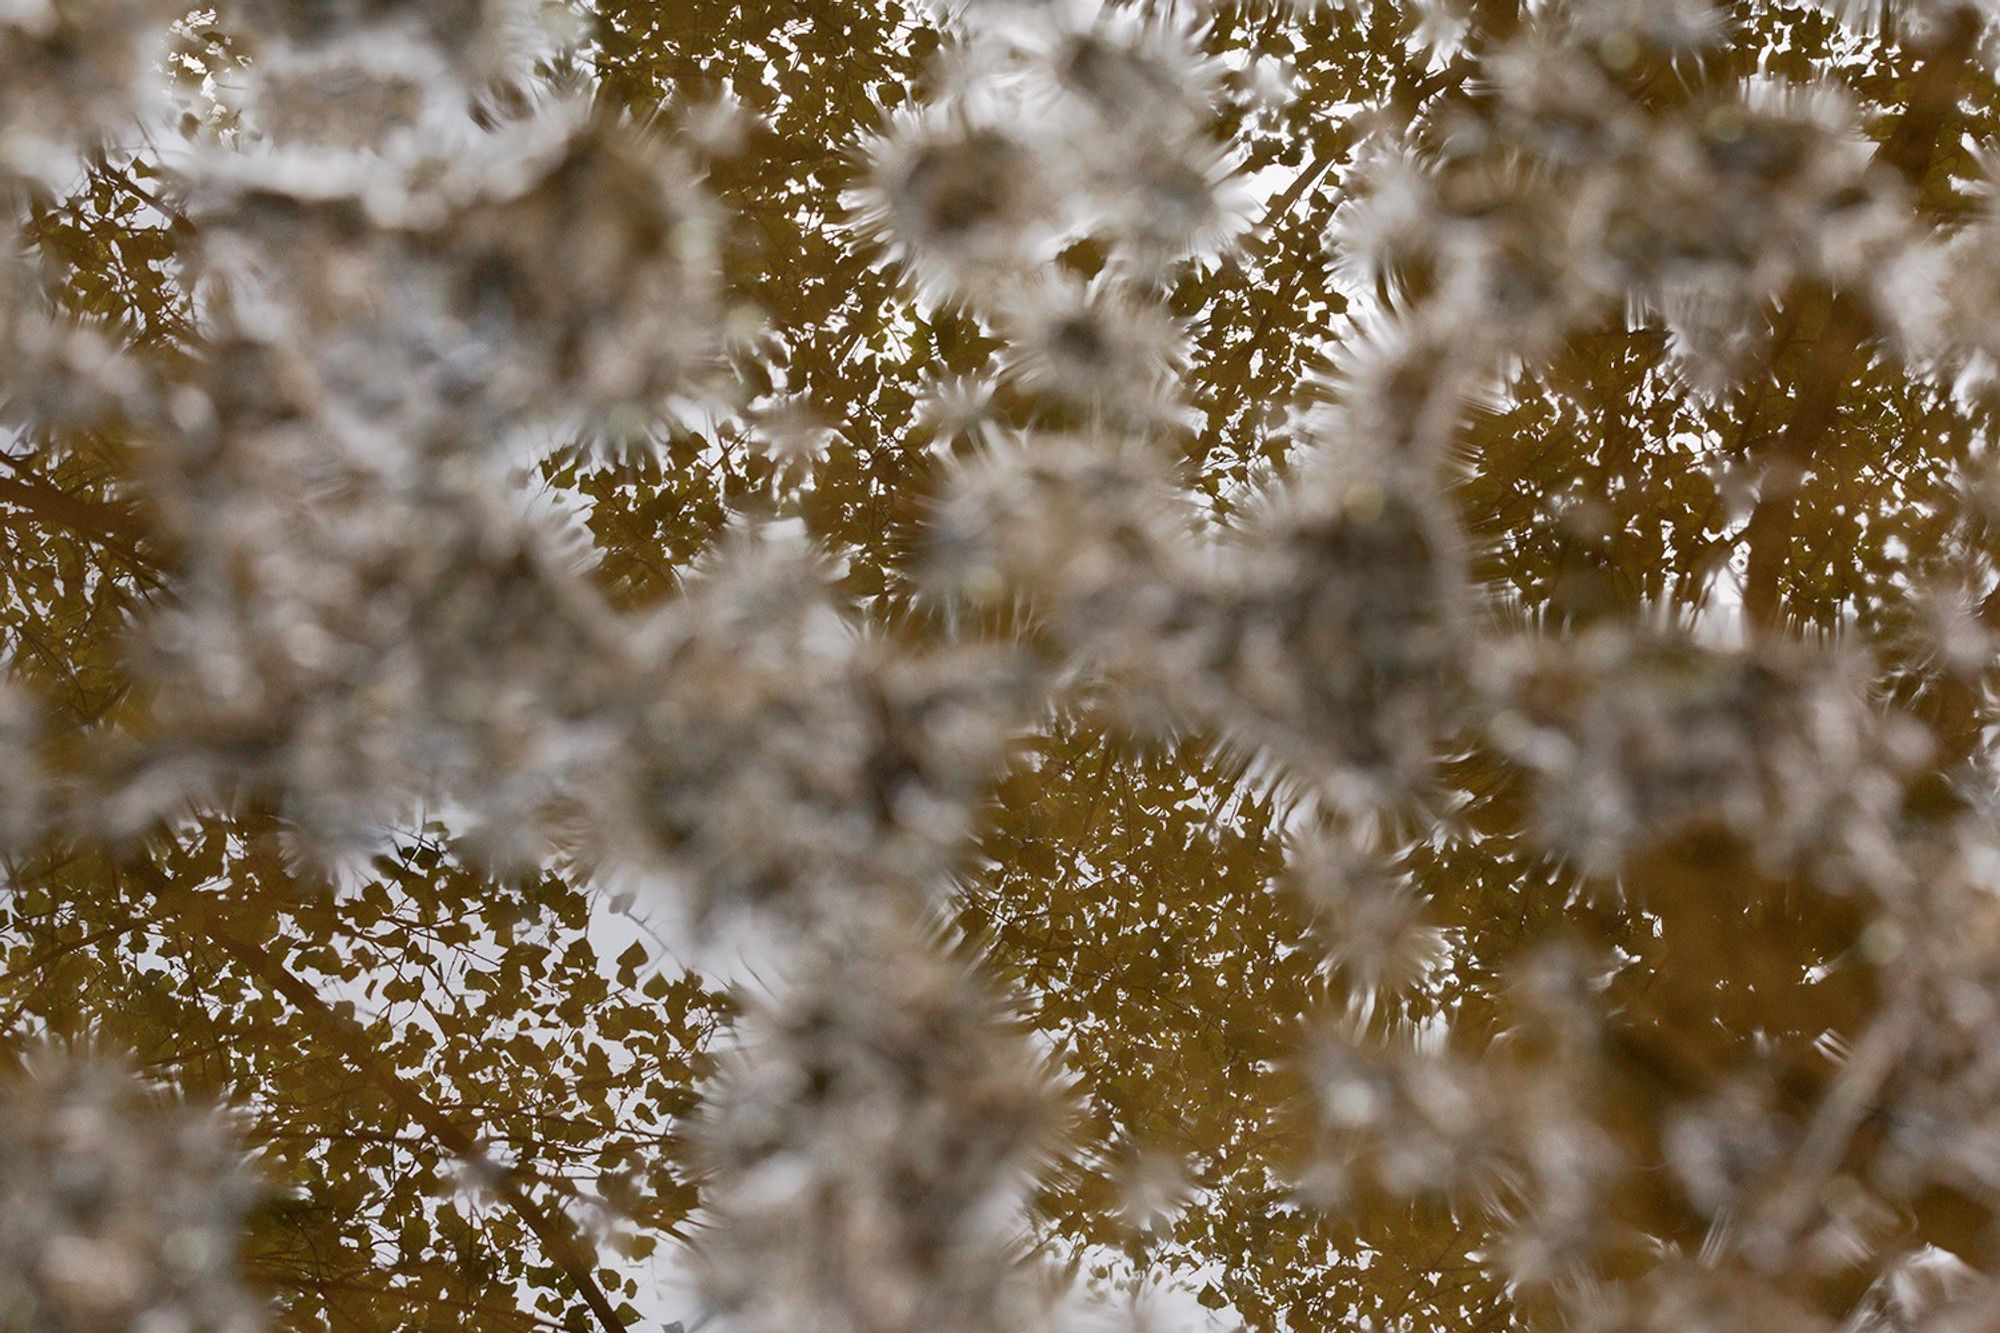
(985, 664)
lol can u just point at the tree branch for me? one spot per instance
(107, 525)
(551, 1228)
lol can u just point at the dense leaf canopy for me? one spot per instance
(470, 1087)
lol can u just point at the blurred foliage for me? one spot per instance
(1128, 889)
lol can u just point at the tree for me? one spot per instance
(1410, 586)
